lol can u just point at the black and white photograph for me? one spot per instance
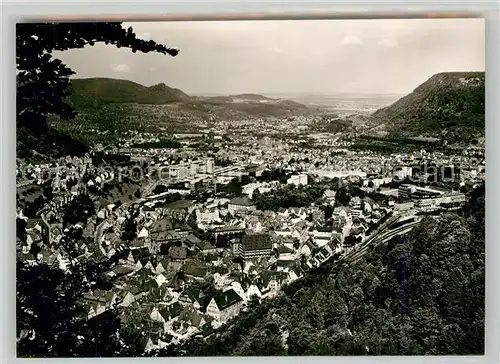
(250, 188)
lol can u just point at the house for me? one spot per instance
(355, 203)
(297, 180)
(160, 280)
(190, 296)
(206, 247)
(34, 237)
(99, 301)
(253, 291)
(321, 238)
(161, 267)
(128, 299)
(329, 196)
(166, 236)
(171, 311)
(89, 230)
(296, 213)
(206, 216)
(284, 252)
(191, 241)
(121, 270)
(307, 248)
(225, 305)
(240, 204)
(195, 269)
(255, 245)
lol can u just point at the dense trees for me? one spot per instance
(79, 210)
(288, 196)
(51, 316)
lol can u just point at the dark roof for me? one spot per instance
(206, 246)
(284, 263)
(122, 270)
(228, 228)
(169, 235)
(193, 239)
(192, 293)
(141, 254)
(177, 252)
(100, 296)
(256, 242)
(195, 271)
(241, 201)
(227, 299)
(282, 249)
(171, 311)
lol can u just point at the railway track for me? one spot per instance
(400, 230)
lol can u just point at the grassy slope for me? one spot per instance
(443, 107)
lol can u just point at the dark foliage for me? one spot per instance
(79, 210)
(288, 196)
(51, 317)
(449, 106)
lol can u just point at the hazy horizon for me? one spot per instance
(381, 56)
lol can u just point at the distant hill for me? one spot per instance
(239, 98)
(448, 106)
(107, 109)
(123, 91)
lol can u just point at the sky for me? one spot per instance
(285, 57)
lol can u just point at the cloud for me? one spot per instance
(123, 68)
(388, 43)
(351, 39)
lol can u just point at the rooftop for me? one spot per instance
(256, 242)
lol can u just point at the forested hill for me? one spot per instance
(358, 309)
(123, 91)
(449, 106)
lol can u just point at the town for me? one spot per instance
(195, 233)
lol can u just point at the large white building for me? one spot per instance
(210, 166)
(297, 180)
(239, 204)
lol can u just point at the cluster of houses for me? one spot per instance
(162, 274)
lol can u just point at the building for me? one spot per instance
(183, 172)
(452, 199)
(404, 206)
(239, 204)
(255, 245)
(402, 172)
(210, 166)
(193, 169)
(297, 180)
(206, 216)
(321, 238)
(405, 191)
(426, 192)
(225, 305)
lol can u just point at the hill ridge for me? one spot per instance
(449, 106)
